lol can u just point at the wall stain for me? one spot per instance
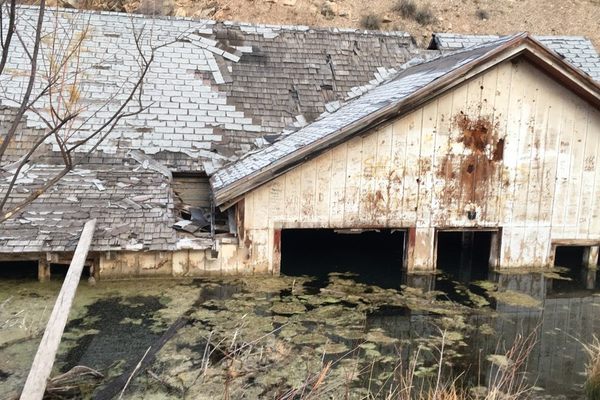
(470, 177)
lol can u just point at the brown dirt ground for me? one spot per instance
(549, 17)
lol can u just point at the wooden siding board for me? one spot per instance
(399, 146)
(575, 174)
(323, 189)
(489, 84)
(594, 219)
(440, 214)
(426, 158)
(353, 179)
(292, 195)
(339, 157)
(501, 116)
(308, 190)
(512, 144)
(385, 176)
(370, 200)
(588, 181)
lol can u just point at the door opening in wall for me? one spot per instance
(576, 260)
(59, 271)
(467, 254)
(375, 256)
(19, 270)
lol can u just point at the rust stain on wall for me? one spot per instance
(475, 133)
(378, 203)
(470, 177)
(277, 241)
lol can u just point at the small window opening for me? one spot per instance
(193, 203)
(570, 256)
(59, 271)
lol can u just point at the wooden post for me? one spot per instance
(590, 257)
(41, 368)
(495, 250)
(43, 268)
(466, 255)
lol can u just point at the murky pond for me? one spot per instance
(335, 335)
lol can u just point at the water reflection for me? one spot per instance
(568, 315)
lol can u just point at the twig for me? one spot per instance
(137, 367)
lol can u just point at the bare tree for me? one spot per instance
(52, 92)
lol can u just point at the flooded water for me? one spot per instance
(264, 337)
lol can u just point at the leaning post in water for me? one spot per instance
(41, 368)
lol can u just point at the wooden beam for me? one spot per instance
(41, 368)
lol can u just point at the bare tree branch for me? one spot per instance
(9, 33)
(62, 110)
(36, 47)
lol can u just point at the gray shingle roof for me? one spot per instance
(215, 87)
(577, 50)
(133, 207)
(400, 87)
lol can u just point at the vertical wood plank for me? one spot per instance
(35, 385)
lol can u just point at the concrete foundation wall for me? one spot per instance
(179, 263)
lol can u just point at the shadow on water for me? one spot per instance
(121, 326)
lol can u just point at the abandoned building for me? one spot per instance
(259, 138)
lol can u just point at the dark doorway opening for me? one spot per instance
(375, 256)
(466, 254)
(19, 270)
(569, 256)
(59, 271)
(574, 258)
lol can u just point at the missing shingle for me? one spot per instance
(101, 67)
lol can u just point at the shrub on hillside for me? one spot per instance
(406, 8)
(370, 21)
(424, 16)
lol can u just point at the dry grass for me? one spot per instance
(371, 22)
(507, 381)
(406, 8)
(592, 384)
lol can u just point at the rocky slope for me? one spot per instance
(419, 17)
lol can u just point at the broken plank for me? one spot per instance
(44, 358)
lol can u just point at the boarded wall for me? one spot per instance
(511, 144)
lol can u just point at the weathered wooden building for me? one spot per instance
(338, 130)
(503, 138)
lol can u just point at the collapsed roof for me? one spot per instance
(213, 89)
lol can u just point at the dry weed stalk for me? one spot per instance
(592, 369)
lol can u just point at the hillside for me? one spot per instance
(550, 17)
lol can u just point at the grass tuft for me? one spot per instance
(482, 14)
(424, 16)
(371, 22)
(406, 8)
(327, 11)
